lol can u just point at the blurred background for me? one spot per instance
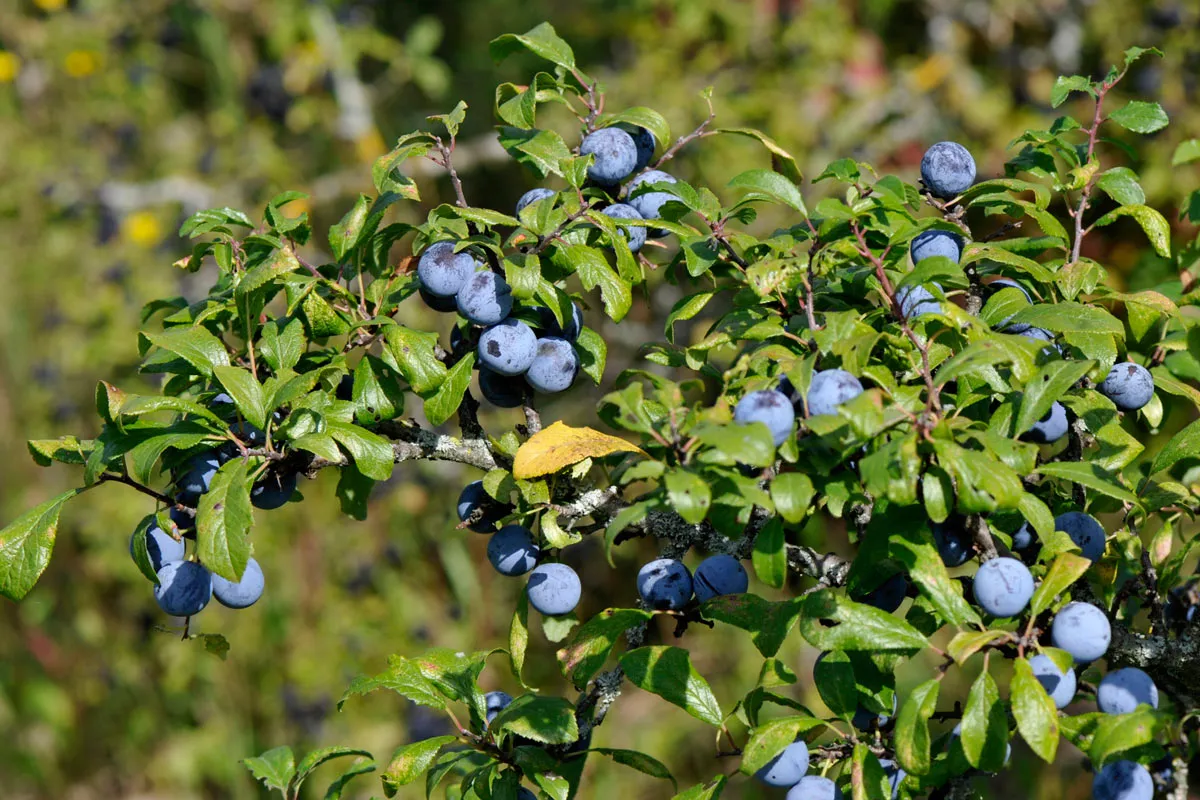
(118, 119)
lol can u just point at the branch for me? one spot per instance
(1085, 195)
(413, 443)
(1174, 664)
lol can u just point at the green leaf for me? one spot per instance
(582, 658)
(647, 118)
(668, 673)
(550, 720)
(768, 623)
(281, 262)
(64, 450)
(1187, 152)
(247, 394)
(1066, 569)
(1090, 476)
(344, 236)
(282, 343)
(373, 391)
(1121, 184)
(792, 493)
(353, 490)
(372, 454)
(141, 555)
(223, 521)
(385, 172)
(1184, 444)
(442, 404)
(275, 768)
(194, 345)
(1070, 317)
(781, 160)
(322, 320)
(984, 725)
(318, 757)
(26, 544)
(689, 494)
(733, 444)
(766, 184)
(1065, 84)
(415, 356)
(593, 270)
(593, 353)
(338, 786)
(913, 546)
(704, 791)
(834, 676)
(402, 676)
(1140, 116)
(1047, 386)
(411, 761)
(769, 740)
(542, 41)
(685, 309)
(518, 636)
(1035, 712)
(1117, 733)
(639, 761)
(861, 627)
(1158, 231)
(544, 152)
(770, 554)
(912, 727)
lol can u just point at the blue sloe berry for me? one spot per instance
(947, 169)
(441, 304)
(554, 366)
(273, 491)
(1058, 684)
(936, 243)
(1123, 690)
(770, 407)
(787, 768)
(474, 498)
(888, 595)
(198, 477)
(649, 202)
(513, 551)
(645, 143)
(485, 299)
(524, 794)
(1123, 780)
(1008, 283)
(829, 389)
(917, 301)
(614, 152)
(494, 703)
(1051, 427)
(864, 717)
(1084, 531)
(1130, 386)
(508, 348)
(719, 574)
(550, 327)
(1024, 539)
(815, 787)
(895, 775)
(443, 271)
(161, 547)
(502, 391)
(635, 236)
(665, 584)
(554, 589)
(1003, 587)
(1082, 630)
(953, 542)
(245, 592)
(532, 196)
(184, 588)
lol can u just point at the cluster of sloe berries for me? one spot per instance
(185, 587)
(508, 348)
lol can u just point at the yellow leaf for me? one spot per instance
(560, 446)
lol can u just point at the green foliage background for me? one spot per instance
(118, 119)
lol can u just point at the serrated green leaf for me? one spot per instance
(223, 520)
(770, 554)
(1140, 116)
(411, 761)
(912, 727)
(768, 623)
(194, 345)
(550, 720)
(858, 627)
(275, 768)
(442, 404)
(1158, 231)
(668, 673)
(984, 725)
(1035, 712)
(582, 658)
(26, 544)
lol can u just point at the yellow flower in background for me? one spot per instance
(142, 228)
(81, 63)
(10, 67)
(50, 5)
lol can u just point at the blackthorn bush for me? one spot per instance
(936, 367)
